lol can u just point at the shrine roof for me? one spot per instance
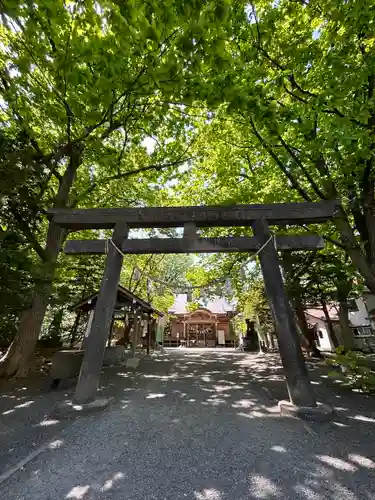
(216, 306)
(125, 298)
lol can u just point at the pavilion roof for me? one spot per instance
(125, 298)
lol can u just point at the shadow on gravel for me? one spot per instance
(25, 420)
(205, 426)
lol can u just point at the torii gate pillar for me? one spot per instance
(297, 379)
(89, 377)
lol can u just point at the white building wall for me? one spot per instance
(359, 320)
(360, 317)
(324, 339)
(370, 301)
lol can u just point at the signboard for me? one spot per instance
(221, 337)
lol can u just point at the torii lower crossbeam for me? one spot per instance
(195, 245)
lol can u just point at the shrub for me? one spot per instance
(351, 368)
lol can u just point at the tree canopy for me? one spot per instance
(113, 103)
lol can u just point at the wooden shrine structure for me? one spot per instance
(200, 328)
(259, 217)
(127, 307)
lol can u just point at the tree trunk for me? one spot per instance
(15, 361)
(349, 240)
(267, 340)
(110, 333)
(295, 292)
(331, 330)
(346, 331)
(127, 328)
(307, 334)
(368, 203)
(365, 264)
(73, 333)
(343, 290)
(354, 251)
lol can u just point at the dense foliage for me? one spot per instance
(114, 103)
(352, 369)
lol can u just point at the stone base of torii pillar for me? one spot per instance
(321, 412)
(69, 408)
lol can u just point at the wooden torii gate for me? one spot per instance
(257, 216)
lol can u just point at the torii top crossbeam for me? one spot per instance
(279, 214)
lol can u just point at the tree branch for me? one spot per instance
(149, 259)
(293, 82)
(298, 162)
(31, 238)
(69, 112)
(305, 266)
(328, 238)
(295, 96)
(295, 184)
(124, 175)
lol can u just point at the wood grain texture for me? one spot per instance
(279, 214)
(190, 245)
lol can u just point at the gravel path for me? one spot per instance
(200, 426)
(25, 420)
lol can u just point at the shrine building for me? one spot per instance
(207, 326)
